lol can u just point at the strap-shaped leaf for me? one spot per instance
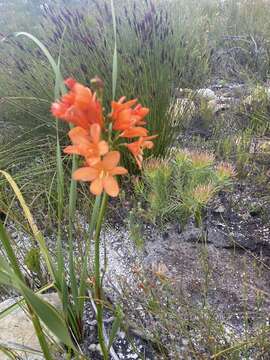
(49, 315)
(28, 216)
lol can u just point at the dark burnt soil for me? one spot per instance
(222, 270)
(126, 346)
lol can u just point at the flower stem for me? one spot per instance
(98, 286)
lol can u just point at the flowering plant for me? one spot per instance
(97, 139)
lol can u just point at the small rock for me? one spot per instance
(207, 94)
(93, 322)
(92, 347)
(133, 356)
(121, 334)
(98, 348)
(185, 342)
(220, 209)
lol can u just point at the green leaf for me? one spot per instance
(28, 216)
(55, 67)
(9, 251)
(48, 314)
(115, 326)
(18, 304)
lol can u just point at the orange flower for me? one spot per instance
(126, 118)
(87, 144)
(120, 105)
(137, 147)
(79, 106)
(101, 175)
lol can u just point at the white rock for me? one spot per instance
(207, 94)
(16, 329)
(121, 334)
(92, 347)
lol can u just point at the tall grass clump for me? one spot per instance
(157, 50)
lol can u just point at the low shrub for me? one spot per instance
(182, 186)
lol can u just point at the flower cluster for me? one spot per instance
(83, 109)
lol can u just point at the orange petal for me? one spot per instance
(148, 145)
(134, 147)
(134, 132)
(77, 150)
(91, 161)
(83, 96)
(111, 186)
(111, 160)
(72, 149)
(118, 170)
(130, 103)
(123, 120)
(141, 111)
(96, 186)
(77, 117)
(78, 135)
(103, 147)
(95, 131)
(57, 109)
(151, 137)
(85, 174)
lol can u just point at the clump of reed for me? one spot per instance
(155, 54)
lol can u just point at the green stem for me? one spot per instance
(84, 273)
(98, 286)
(72, 274)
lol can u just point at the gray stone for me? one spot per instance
(191, 233)
(222, 239)
(218, 238)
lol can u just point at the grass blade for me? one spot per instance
(115, 65)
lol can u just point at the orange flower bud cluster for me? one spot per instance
(82, 108)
